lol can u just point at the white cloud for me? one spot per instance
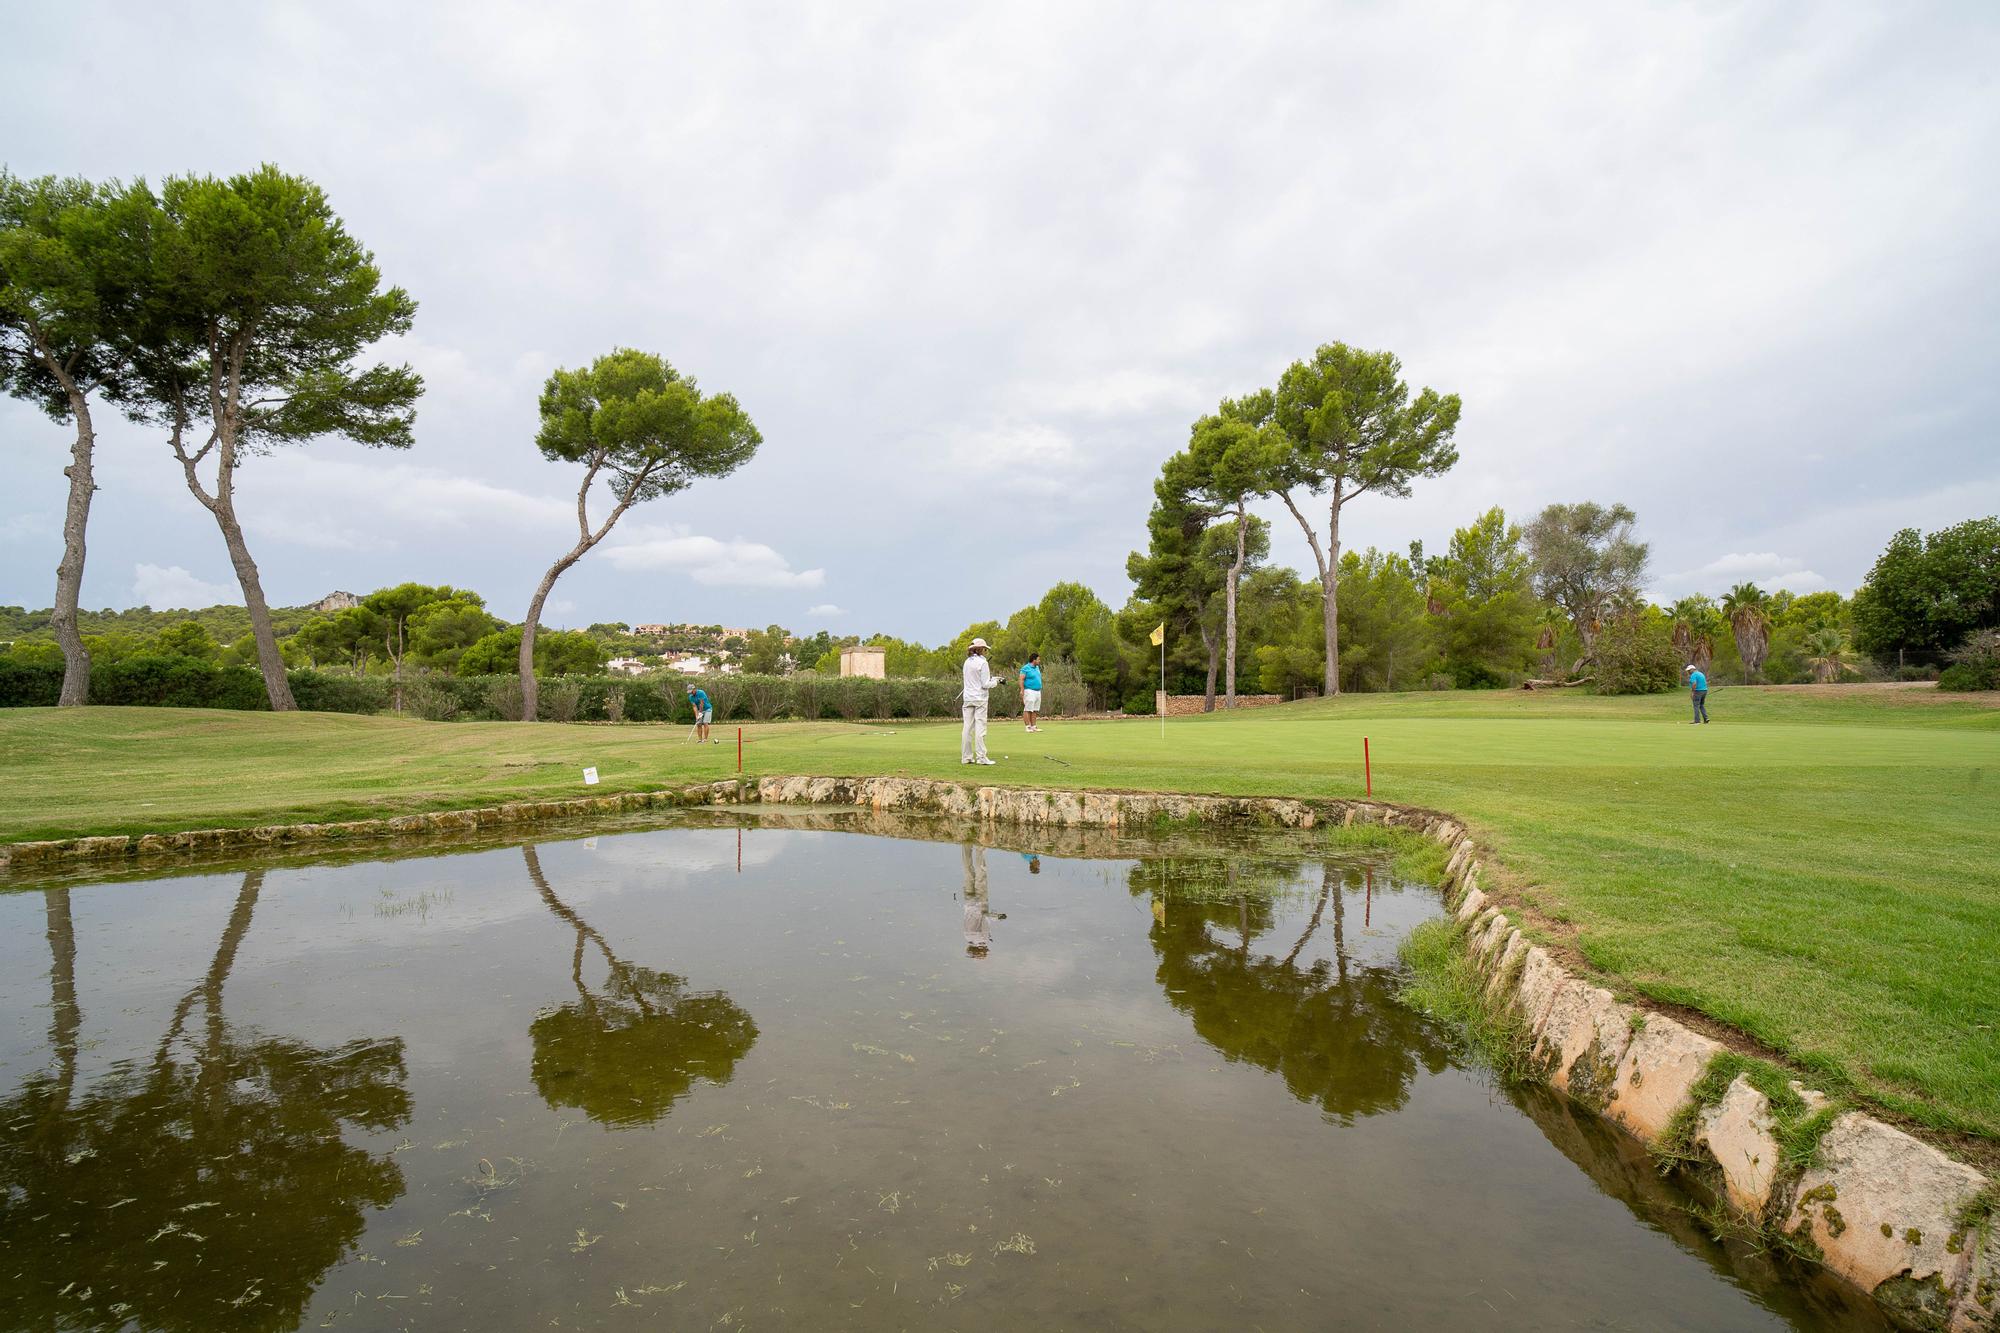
(825, 611)
(734, 563)
(1767, 569)
(369, 503)
(171, 588)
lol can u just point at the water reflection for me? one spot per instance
(624, 1053)
(207, 1188)
(1327, 1023)
(977, 899)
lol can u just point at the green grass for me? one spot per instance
(1820, 868)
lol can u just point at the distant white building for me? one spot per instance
(649, 629)
(626, 666)
(692, 665)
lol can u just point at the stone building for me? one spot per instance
(863, 660)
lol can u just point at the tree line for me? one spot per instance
(234, 316)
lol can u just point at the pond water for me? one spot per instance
(738, 1074)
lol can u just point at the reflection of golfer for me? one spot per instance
(703, 713)
(1698, 689)
(978, 931)
(979, 679)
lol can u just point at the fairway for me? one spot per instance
(1817, 869)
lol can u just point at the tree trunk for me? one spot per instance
(529, 686)
(69, 574)
(269, 660)
(1208, 642)
(1229, 613)
(1330, 588)
(1329, 567)
(585, 539)
(223, 506)
(65, 1015)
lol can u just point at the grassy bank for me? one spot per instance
(1821, 868)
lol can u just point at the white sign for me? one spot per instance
(590, 777)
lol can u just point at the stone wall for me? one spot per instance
(1180, 705)
(1893, 1215)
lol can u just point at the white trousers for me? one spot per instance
(972, 741)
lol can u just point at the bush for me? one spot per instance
(850, 696)
(614, 703)
(557, 700)
(1142, 701)
(1633, 658)
(29, 684)
(1975, 666)
(1477, 676)
(429, 696)
(337, 692)
(1912, 671)
(169, 681)
(504, 697)
(765, 696)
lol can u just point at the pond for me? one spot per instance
(773, 1072)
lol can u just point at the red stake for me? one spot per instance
(1367, 772)
(739, 749)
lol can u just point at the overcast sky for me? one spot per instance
(974, 271)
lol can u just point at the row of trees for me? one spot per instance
(233, 316)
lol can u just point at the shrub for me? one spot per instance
(1477, 676)
(805, 696)
(430, 697)
(170, 681)
(614, 703)
(1141, 701)
(339, 692)
(503, 696)
(558, 700)
(851, 696)
(1974, 666)
(29, 684)
(1440, 680)
(765, 696)
(1633, 658)
(1063, 692)
(724, 692)
(1912, 671)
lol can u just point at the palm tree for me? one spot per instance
(1827, 651)
(1748, 608)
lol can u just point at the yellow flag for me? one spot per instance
(1159, 635)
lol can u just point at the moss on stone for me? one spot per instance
(1916, 1303)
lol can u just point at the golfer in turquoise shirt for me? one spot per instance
(1031, 691)
(1698, 685)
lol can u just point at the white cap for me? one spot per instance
(981, 643)
(1690, 666)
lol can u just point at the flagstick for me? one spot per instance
(1163, 685)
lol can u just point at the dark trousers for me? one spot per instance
(1701, 705)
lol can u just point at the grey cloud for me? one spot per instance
(974, 273)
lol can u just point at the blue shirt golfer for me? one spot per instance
(704, 713)
(1698, 688)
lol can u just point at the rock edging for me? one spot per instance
(1884, 1210)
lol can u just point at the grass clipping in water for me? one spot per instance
(1445, 983)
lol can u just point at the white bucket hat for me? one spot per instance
(981, 643)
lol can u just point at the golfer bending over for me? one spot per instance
(703, 714)
(1698, 686)
(979, 679)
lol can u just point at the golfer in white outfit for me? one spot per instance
(979, 679)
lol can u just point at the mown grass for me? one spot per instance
(1820, 868)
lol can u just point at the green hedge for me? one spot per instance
(186, 682)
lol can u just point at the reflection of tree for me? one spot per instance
(626, 1055)
(208, 1189)
(1333, 1029)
